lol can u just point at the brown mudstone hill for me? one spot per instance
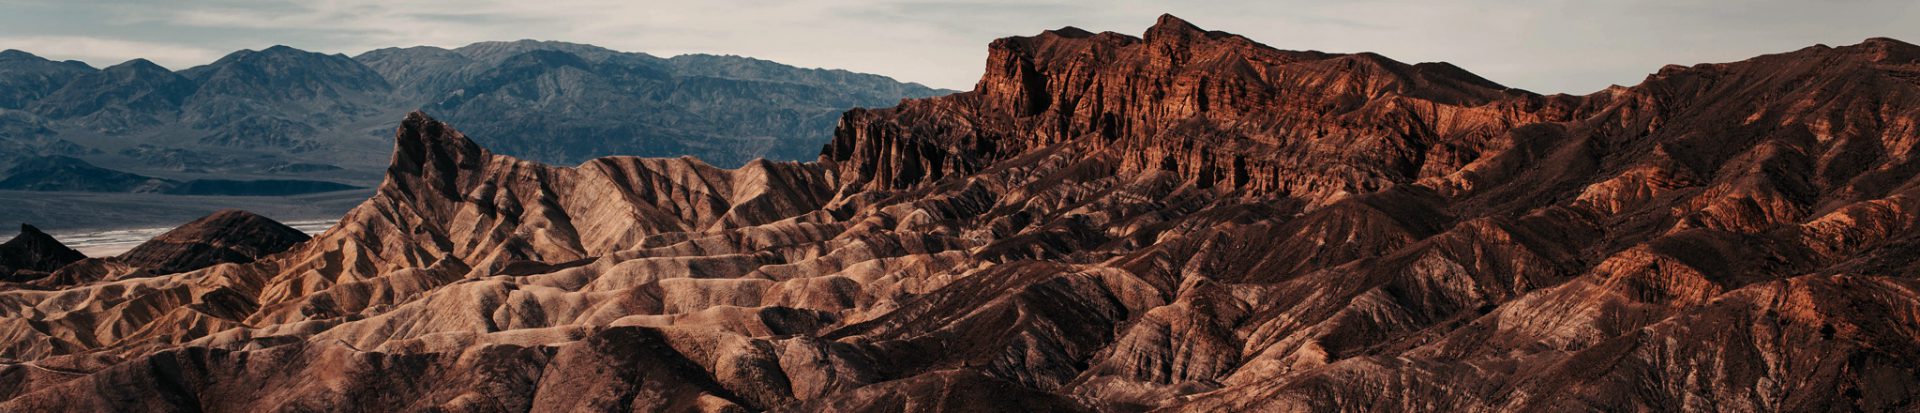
(226, 236)
(1184, 221)
(33, 254)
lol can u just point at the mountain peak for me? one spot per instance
(430, 155)
(17, 54)
(1070, 32)
(1888, 50)
(275, 53)
(1886, 41)
(225, 236)
(32, 254)
(230, 87)
(497, 51)
(1173, 28)
(138, 64)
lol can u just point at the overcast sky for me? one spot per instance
(1545, 46)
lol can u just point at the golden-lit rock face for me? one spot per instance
(1185, 221)
(1212, 107)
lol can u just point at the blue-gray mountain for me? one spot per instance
(284, 113)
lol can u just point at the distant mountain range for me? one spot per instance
(311, 121)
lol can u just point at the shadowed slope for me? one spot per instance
(226, 236)
(33, 254)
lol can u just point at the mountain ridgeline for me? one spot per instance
(1182, 221)
(566, 103)
(284, 113)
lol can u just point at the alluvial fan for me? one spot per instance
(1183, 221)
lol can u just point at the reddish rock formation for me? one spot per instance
(1187, 221)
(1211, 106)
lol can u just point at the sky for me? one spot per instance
(1547, 46)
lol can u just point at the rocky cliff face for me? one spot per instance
(1185, 221)
(1211, 106)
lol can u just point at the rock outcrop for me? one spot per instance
(1184, 221)
(229, 236)
(33, 254)
(1210, 106)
